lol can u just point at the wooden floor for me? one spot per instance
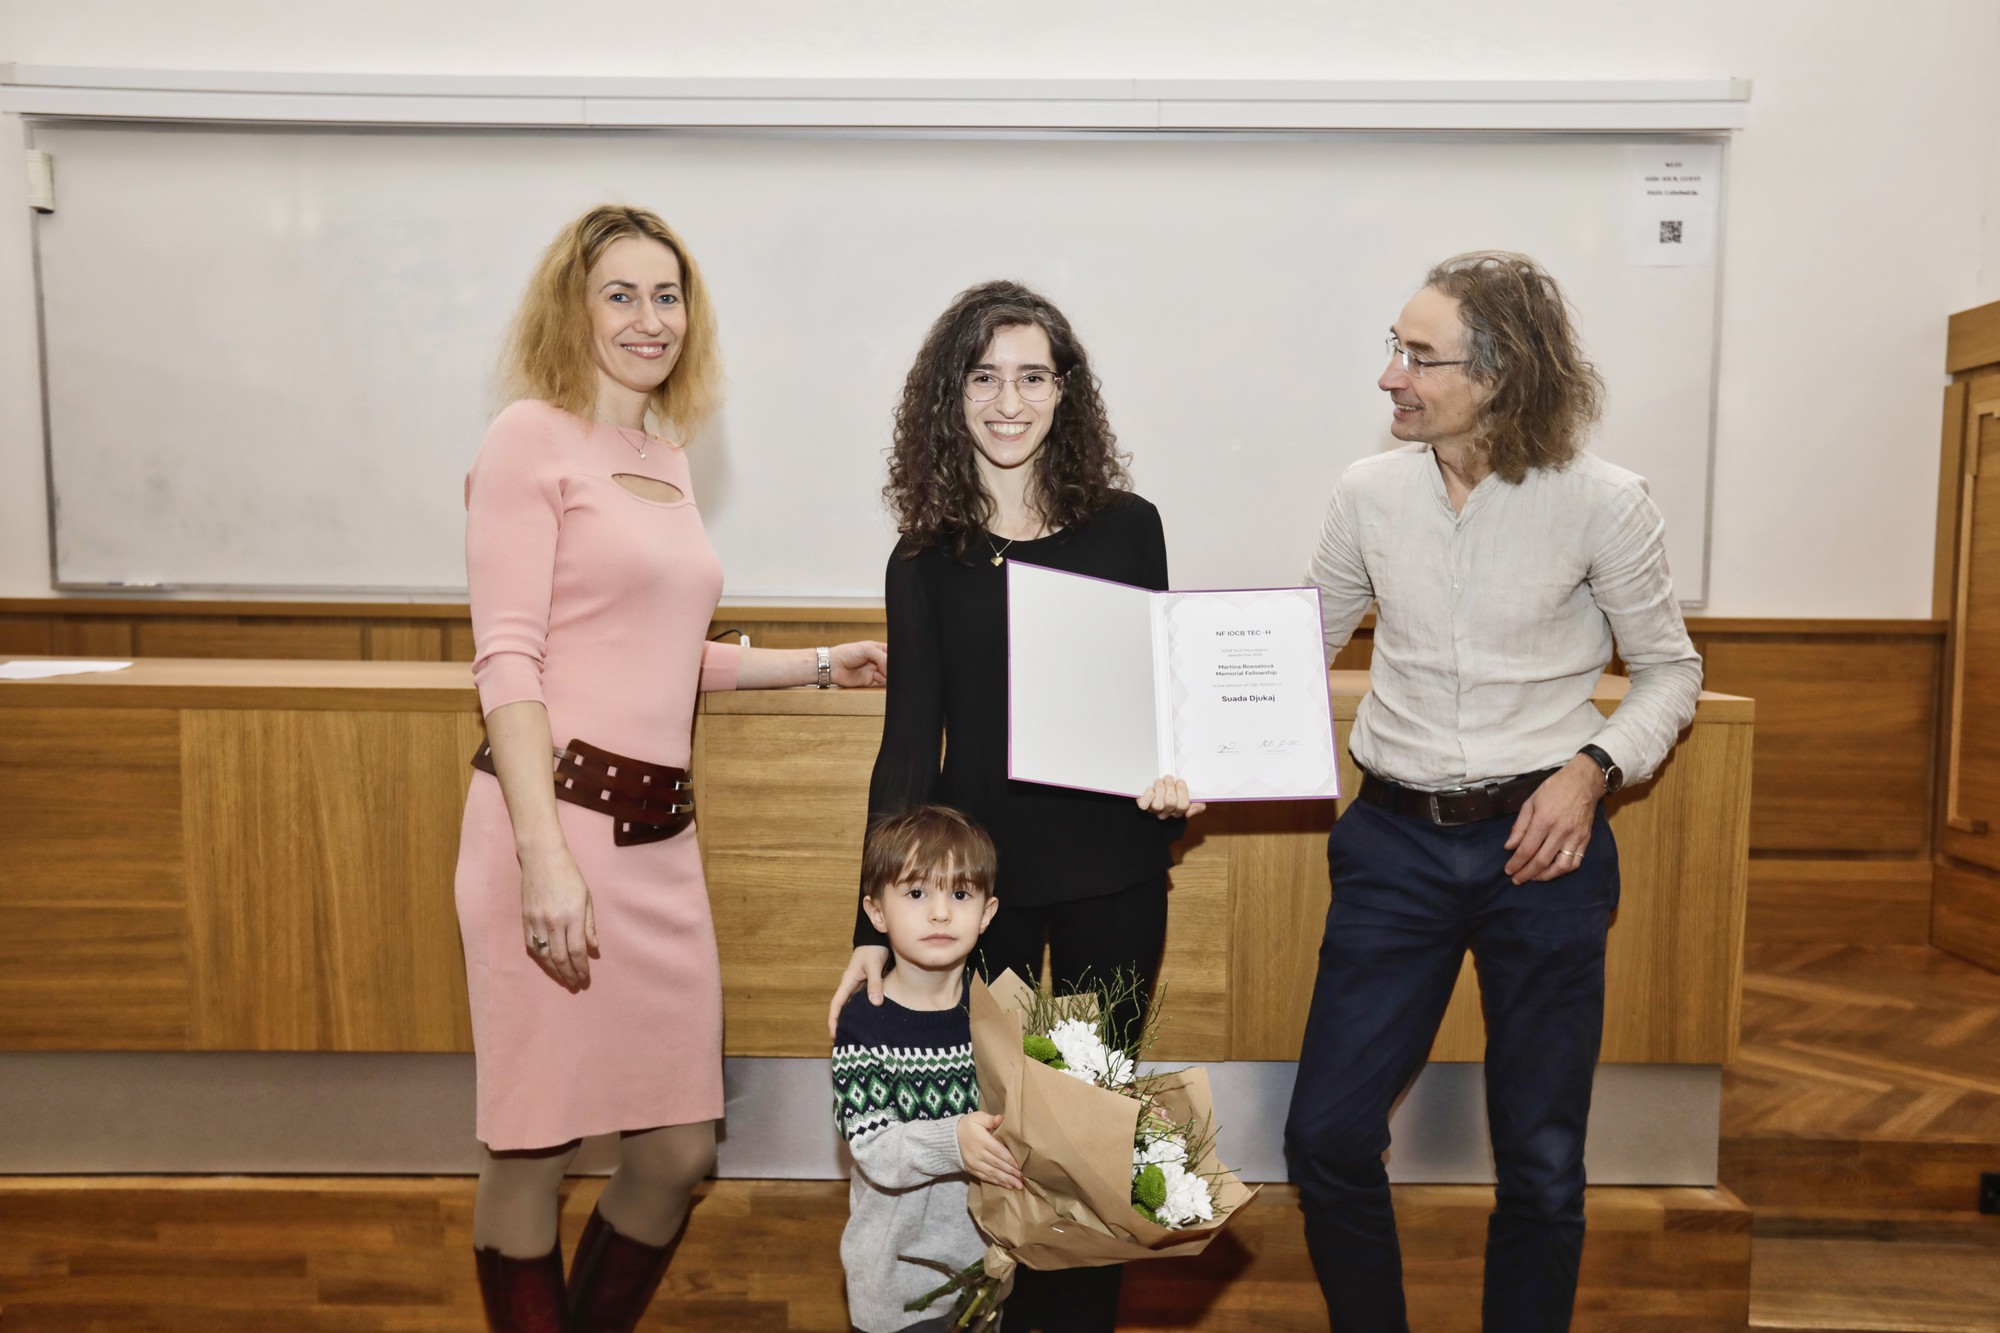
(392, 1256)
(1856, 1120)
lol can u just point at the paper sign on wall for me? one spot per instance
(1672, 204)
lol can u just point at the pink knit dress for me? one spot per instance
(595, 602)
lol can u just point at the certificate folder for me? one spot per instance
(1110, 686)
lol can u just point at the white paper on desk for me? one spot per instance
(39, 670)
(1110, 686)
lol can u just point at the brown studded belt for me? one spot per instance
(646, 802)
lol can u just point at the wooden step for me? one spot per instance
(1913, 1272)
(1856, 1176)
(391, 1256)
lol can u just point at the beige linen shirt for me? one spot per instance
(1493, 625)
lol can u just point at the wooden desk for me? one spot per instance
(239, 855)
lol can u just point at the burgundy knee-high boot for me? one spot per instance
(522, 1295)
(613, 1277)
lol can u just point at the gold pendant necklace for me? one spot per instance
(620, 431)
(1000, 551)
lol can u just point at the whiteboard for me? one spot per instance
(270, 353)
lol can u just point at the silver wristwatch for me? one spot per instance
(825, 655)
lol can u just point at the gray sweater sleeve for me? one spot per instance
(915, 1152)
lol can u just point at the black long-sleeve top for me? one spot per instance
(948, 637)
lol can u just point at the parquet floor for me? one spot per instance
(392, 1256)
(1841, 1041)
(1861, 1109)
(1867, 1078)
(1856, 1121)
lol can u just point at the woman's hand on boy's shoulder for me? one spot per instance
(866, 967)
(985, 1157)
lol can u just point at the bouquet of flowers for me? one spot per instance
(1118, 1164)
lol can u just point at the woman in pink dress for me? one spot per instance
(591, 964)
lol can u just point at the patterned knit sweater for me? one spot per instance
(901, 1079)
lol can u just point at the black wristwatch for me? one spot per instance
(1614, 776)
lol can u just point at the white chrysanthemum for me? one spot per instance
(1187, 1197)
(1118, 1070)
(1082, 1074)
(1160, 1151)
(1081, 1049)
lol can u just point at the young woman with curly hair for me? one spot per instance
(1003, 452)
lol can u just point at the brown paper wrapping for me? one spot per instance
(1073, 1142)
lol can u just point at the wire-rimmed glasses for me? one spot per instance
(1034, 386)
(1413, 364)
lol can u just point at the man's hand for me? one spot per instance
(985, 1157)
(1553, 830)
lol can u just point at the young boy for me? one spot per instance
(906, 1096)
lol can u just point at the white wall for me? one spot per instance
(1864, 204)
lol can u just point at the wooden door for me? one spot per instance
(1972, 774)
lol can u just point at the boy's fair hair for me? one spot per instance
(928, 838)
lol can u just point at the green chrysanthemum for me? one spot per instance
(1149, 1190)
(1038, 1047)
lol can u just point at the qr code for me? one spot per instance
(1670, 233)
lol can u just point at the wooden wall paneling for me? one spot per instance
(783, 871)
(233, 636)
(95, 637)
(1844, 733)
(798, 633)
(408, 641)
(92, 801)
(93, 937)
(1971, 813)
(1951, 469)
(31, 635)
(1825, 901)
(320, 853)
(1972, 338)
(1676, 945)
(1965, 914)
(104, 978)
(1278, 917)
(1195, 968)
(1357, 653)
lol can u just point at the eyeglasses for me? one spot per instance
(983, 386)
(1412, 363)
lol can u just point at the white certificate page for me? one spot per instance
(1111, 686)
(1081, 710)
(1247, 690)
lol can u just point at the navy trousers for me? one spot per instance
(1408, 899)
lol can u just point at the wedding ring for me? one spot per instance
(540, 943)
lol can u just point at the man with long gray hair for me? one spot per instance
(1503, 562)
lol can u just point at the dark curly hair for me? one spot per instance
(934, 488)
(1519, 339)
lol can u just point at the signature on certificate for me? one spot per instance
(1279, 744)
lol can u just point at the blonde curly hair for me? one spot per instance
(549, 347)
